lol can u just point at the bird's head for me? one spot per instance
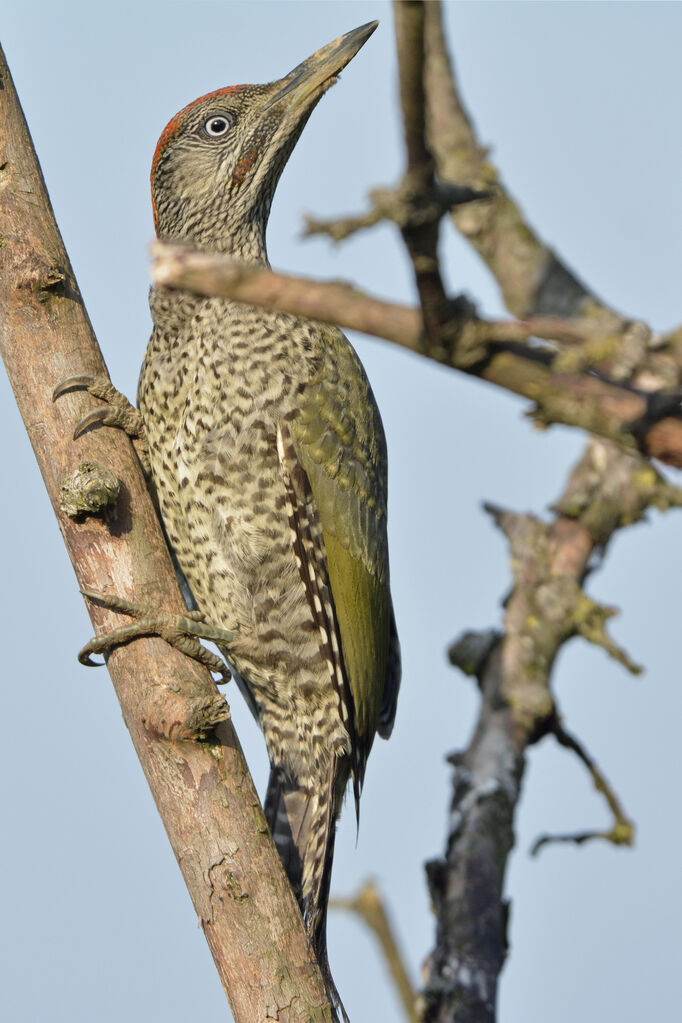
(218, 161)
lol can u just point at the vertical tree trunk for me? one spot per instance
(202, 789)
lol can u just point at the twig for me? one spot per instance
(421, 240)
(532, 277)
(399, 206)
(369, 906)
(623, 830)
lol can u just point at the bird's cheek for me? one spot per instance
(244, 166)
(197, 183)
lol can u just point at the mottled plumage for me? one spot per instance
(269, 459)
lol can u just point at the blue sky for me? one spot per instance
(581, 106)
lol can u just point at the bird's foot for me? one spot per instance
(182, 632)
(117, 412)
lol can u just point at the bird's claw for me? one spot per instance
(117, 412)
(81, 382)
(181, 631)
(102, 415)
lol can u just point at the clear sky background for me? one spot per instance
(581, 106)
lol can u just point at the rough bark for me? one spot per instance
(202, 787)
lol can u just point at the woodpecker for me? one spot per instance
(268, 457)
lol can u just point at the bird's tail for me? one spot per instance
(303, 825)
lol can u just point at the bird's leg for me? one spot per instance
(117, 412)
(182, 632)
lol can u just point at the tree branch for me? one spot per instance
(421, 239)
(545, 608)
(492, 351)
(202, 789)
(369, 907)
(606, 491)
(622, 831)
(397, 205)
(531, 276)
(207, 273)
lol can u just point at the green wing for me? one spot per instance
(339, 442)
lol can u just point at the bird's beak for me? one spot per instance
(319, 71)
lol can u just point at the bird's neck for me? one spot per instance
(245, 243)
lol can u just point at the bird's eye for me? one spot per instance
(217, 126)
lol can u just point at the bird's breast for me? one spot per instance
(216, 381)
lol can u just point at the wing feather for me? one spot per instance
(308, 544)
(339, 442)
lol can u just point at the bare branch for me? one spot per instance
(485, 349)
(402, 205)
(421, 240)
(203, 790)
(369, 906)
(466, 886)
(604, 493)
(623, 830)
(531, 276)
(205, 273)
(545, 608)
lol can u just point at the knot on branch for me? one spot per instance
(619, 349)
(419, 200)
(453, 333)
(632, 351)
(173, 715)
(37, 273)
(51, 280)
(89, 490)
(656, 430)
(470, 652)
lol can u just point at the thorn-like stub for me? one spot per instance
(90, 490)
(589, 620)
(504, 519)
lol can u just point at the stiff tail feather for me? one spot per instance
(303, 825)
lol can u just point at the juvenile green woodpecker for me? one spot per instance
(269, 459)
